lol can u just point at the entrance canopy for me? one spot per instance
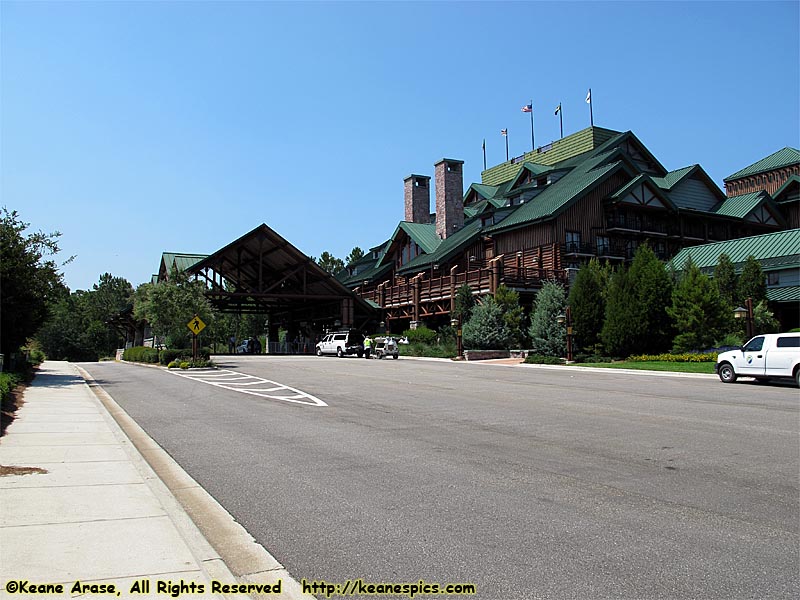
(261, 272)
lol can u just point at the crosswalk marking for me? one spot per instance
(235, 381)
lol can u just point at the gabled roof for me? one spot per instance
(178, 260)
(670, 179)
(644, 178)
(683, 196)
(774, 250)
(482, 190)
(740, 206)
(782, 195)
(447, 248)
(584, 176)
(782, 158)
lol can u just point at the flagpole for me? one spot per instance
(533, 146)
(561, 119)
(484, 154)
(506, 136)
(591, 115)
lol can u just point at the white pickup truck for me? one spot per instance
(767, 356)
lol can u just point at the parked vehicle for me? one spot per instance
(342, 343)
(772, 355)
(386, 347)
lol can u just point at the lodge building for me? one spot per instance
(596, 193)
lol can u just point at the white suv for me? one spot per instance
(342, 343)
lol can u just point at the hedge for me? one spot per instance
(685, 357)
(164, 357)
(141, 354)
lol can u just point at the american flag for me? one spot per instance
(527, 108)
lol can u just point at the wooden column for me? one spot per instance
(453, 289)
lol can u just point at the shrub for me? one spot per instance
(731, 339)
(8, 381)
(141, 354)
(592, 358)
(185, 365)
(486, 328)
(541, 359)
(547, 336)
(420, 335)
(444, 350)
(36, 357)
(173, 365)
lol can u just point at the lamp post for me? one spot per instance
(746, 312)
(455, 323)
(567, 318)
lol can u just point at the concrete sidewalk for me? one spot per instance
(82, 505)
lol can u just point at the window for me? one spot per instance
(754, 345)
(773, 278)
(603, 245)
(573, 241)
(788, 342)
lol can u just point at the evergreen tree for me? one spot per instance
(355, 255)
(513, 315)
(699, 312)
(725, 278)
(548, 337)
(587, 303)
(764, 320)
(752, 283)
(486, 328)
(330, 263)
(617, 334)
(652, 290)
(464, 303)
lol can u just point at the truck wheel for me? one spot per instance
(797, 377)
(339, 353)
(319, 351)
(394, 356)
(726, 373)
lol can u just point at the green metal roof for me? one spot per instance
(453, 243)
(557, 196)
(181, 261)
(741, 206)
(424, 234)
(575, 144)
(782, 158)
(793, 181)
(787, 293)
(673, 177)
(774, 250)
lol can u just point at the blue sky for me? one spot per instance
(142, 127)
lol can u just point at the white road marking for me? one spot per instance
(233, 380)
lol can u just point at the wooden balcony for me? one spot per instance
(425, 295)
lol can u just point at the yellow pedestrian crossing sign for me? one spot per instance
(196, 325)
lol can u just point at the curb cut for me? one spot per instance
(224, 549)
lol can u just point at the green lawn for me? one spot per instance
(680, 367)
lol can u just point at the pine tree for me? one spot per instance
(549, 337)
(617, 335)
(652, 289)
(486, 328)
(464, 303)
(699, 312)
(752, 283)
(513, 315)
(587, 303)
(725, 278)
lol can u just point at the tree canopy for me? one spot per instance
(30, 281)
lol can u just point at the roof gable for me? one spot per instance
(695, 190)
(789, 191)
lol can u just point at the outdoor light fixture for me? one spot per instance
(740, 312)
(561, 319)
(455, 322)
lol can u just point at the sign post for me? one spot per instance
(196, 325)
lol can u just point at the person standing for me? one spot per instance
(367, 346)
(232, 344)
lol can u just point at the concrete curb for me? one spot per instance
(224, 549)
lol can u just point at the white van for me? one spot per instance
(767, 356)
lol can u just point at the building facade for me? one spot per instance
(595, 194)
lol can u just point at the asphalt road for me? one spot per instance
(529, 483)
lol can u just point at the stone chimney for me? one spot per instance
(417, 196)
(449, 196)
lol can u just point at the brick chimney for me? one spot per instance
(417, 196)
(449, 196)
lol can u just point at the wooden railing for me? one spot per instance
(441, 286)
